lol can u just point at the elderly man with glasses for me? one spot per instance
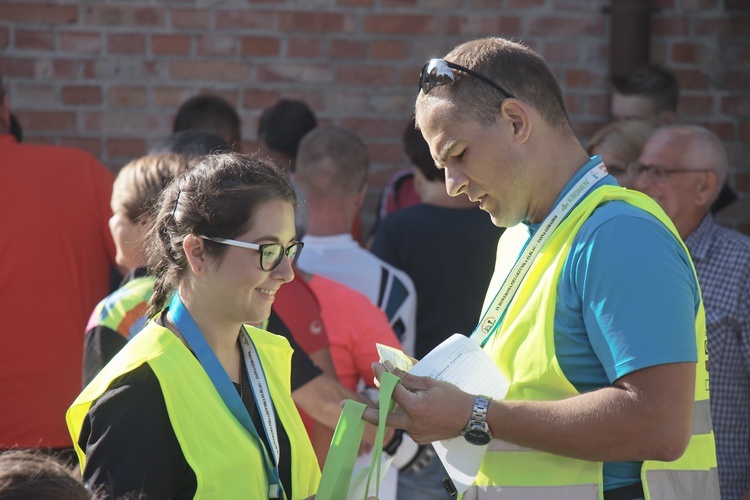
(607, 392)
(683, 168)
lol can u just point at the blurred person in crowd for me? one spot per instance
(682, 167)
(213, 113)
(332, 166)
(651, 93)
(619, 144)
(57, 253)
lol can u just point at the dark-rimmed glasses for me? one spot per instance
(439, 72)
(270, 253)
(656, 173)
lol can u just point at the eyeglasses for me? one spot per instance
(270, 253)
(659, 174)
(439, 72)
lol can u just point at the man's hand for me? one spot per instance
(428, 409)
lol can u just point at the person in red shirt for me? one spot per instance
(56, 252)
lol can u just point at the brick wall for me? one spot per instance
(109, 76)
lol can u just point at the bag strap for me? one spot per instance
(339, 465)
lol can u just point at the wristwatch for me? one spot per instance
(477, 431)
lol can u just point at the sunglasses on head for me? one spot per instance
(439, 72)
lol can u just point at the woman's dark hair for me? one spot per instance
(29, 474)
(217, 198)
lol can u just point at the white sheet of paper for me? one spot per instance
(460, 361)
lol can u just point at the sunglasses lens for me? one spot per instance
(434, 74)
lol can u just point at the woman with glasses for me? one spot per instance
(619, 144)
(198, 404)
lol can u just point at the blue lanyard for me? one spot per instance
(180, 316)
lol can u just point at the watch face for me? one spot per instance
(478, 436)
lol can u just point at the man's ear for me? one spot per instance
(520, 118)
(707, 188)
(360, 199)
(195, 250)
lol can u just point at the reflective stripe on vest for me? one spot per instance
(524, 350)
(225, 458)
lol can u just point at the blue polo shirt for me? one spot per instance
(626, 300)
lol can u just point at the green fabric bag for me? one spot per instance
(339, 466)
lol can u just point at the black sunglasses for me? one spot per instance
(439, 72)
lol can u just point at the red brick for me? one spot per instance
(355, 3)
(170, 45)
(663, 4)
(733, 53)
(440, 4)
(244, 19)
(483, 25)
(742, 181)
(17, 67)
(400, 24)
(260, 46)
(42, 121)
(315, 22)
(126, 43)
(578, 77)
(585, 129)
(702, 6)
(170, 97)
(733, 79)
(347, 49)
(668, 26)
(81, 95)
(80, 42)
(88, 144)
(30, 138)
(34, 40)
(216, 45)
(575, 103)
(399, 3)
(347, 103)
(391, 153)
(389, 50)
(123, 15)
(560, 52)
(309, 73)
(591, 26)
(366, 75)
(736, 5)
(219, 71)
(128, 97)
(598, 104)
(696, 105)
(520, 4)
(259, 99)
(724, 130)
(4, 37)
(736, 106)
(376, 128)
(692, 79)
(191, 18)
(309, 48)
(692, 53)
(47, 13)
(744, 132)
(125, 148)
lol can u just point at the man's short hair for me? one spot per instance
(418, 151)
(516, 68)
(652, 82)
(331, 162)
(209, 112)
(283, 125)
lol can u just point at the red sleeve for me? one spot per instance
(298, 308)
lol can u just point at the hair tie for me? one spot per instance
(176, 202)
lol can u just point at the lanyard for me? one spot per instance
(490, 320)
(180, 316)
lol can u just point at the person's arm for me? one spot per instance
(644, 415)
